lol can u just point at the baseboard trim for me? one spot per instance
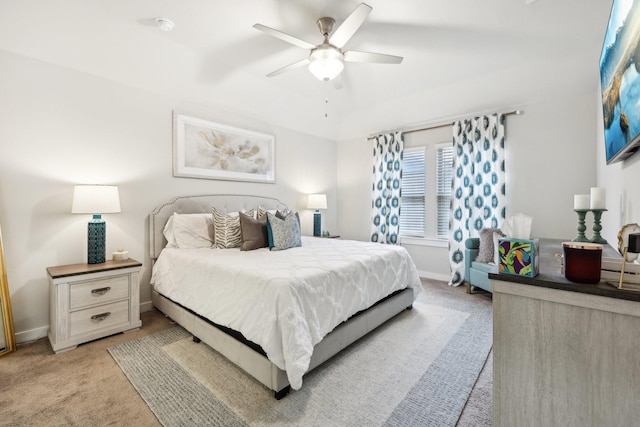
(434, 276)
(146, 306)
(31, 335)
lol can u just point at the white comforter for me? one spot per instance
(285, 301)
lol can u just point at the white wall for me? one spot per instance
(550, 157)
(59, 127)
(622, 181)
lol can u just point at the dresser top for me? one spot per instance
(78, 269)
(551, 275)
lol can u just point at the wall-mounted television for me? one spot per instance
(620, 81)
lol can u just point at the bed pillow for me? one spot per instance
(283, 233)
(167, 231)
(195, 220)
(227, 228)
(253, 232)
(282, 215)
(262, 212)
(193, 231)
(486, 250)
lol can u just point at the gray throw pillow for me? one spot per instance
(486, 249)
(253, 232)
(496, 246)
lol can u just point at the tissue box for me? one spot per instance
(519, 256)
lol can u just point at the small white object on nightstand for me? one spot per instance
(120, 255)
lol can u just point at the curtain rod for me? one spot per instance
(514, 112)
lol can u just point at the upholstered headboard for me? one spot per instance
(200, 204)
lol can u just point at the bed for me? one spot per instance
(276, 314)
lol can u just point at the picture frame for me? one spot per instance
(620, 82)
(210, 150)
(7, 334)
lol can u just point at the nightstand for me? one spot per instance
(91, 301)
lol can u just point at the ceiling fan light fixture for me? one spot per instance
(326, 62)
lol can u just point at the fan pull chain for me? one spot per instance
(326, 99)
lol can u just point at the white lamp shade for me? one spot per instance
(317, 201)
(95, 199)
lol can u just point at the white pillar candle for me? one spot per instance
(581, 202)
(120, 255)
(598, 197)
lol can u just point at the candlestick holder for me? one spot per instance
(582, 213)
(597, 227)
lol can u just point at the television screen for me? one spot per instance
(620, 81)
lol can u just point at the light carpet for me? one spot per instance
(417, 369)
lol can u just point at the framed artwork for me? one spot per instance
(620, 81)
(209, 150)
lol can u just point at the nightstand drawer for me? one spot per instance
(100, 291)
(95, 318)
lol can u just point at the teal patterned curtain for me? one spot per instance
(387, 179)
(478, 195)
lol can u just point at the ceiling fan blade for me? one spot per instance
(289, 67)
(348, 28)
(372, 58)
(284, 36)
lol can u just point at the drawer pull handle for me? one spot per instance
(101, 291)
(100, 317)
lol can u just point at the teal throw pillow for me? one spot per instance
(283, 233)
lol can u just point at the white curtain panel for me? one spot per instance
(478, 189)
(387, 183)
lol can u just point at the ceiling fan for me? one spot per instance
(326, 59)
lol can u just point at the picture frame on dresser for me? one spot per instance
(210, 150)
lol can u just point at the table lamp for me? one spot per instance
(96, 200)
(317, 201)
(630, 254)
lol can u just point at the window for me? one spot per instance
(412, 209)
(444, 165)
(426, 191)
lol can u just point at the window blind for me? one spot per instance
(412, 210)
(444, 165)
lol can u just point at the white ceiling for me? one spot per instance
(460, 56)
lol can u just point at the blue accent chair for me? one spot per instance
(476, 274)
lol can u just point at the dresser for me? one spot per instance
(91, 301)
(565, 354)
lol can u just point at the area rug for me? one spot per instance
(417, 369)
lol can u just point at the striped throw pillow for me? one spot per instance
(227, 228)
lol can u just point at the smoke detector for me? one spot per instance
(164, 24)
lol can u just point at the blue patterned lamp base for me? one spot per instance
(96, 241)
(316, 223)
